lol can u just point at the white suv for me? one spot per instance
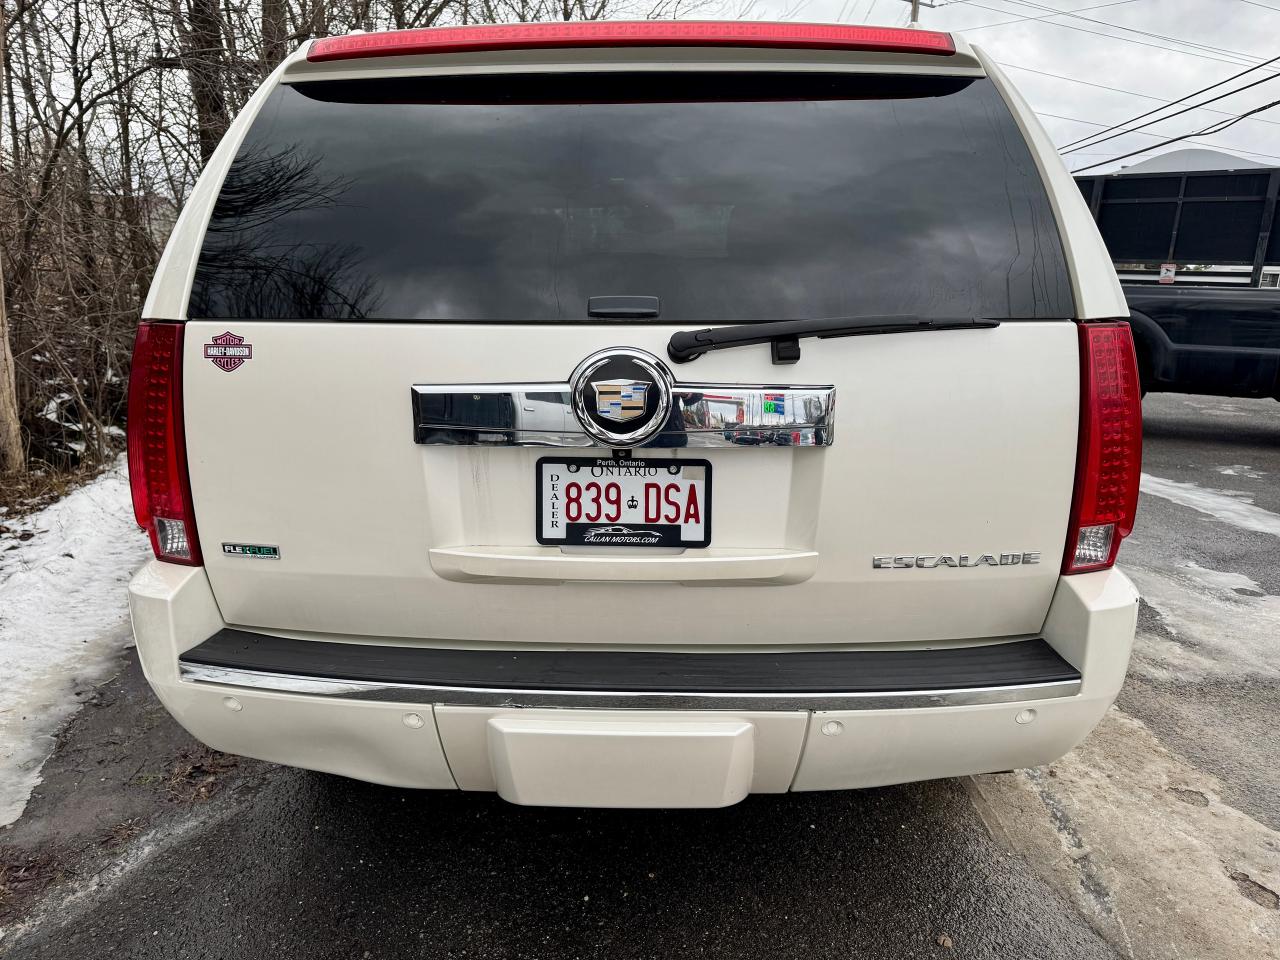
(460, 325)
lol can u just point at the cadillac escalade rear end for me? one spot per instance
(636, 414)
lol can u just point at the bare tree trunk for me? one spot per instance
(204, 56)
(12, 458)
(8, 85)
(273, 34)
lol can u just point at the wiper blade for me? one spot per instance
(784, 335)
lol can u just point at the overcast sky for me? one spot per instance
(1197, 42)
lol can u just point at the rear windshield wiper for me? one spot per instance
(784, 335)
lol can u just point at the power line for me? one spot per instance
(1195, 143)
(1207, 131)
(1130, 93)
(1177, 113)
(1142, 33)
(1049, 22)
(1094, 137)
(1155, 136)
(1255, 3)
(1074, 14)
(1182, 99)
(1031, 19)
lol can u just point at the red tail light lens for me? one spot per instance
(1109, 458)
(157, 448)
(615, 33)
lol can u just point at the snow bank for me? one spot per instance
(63, 612)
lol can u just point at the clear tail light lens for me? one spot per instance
(1109, 458)
(157, 448)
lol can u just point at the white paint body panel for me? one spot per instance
(957, 442)
(775, 743)
(568, 762)
(950, 442)
(1090, 623)
(946, 442)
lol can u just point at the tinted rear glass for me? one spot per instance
(731, 197)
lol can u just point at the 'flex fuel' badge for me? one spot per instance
(261, 551)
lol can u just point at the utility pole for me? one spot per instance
(915, 9)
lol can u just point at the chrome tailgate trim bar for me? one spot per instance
(542, 415)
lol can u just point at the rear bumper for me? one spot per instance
(1027, 669)
(615, 729)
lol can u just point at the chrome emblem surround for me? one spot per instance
(643, 404)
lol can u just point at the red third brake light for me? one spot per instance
(157, 448)
(1109, 458)
(643, 33)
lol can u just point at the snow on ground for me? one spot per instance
(1241, 470)
(1228, 506)
(63, 612)
(1223, 625)
(1218, 624)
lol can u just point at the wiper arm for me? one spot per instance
(784, 335)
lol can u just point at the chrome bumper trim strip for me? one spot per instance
(606, 699)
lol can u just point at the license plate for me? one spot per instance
(602, 502)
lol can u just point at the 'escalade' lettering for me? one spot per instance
(930, 561)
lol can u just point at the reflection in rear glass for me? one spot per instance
(731, 197)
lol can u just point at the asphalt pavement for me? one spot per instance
(141, 844)
(1206, 674)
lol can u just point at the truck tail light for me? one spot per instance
(1109, 457)
(618, 33)
(157, 447)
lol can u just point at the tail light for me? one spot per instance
(1109, 458)
(157, 448)
(618, 33)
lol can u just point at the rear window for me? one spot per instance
(730, 197)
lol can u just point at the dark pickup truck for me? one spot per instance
(1216, 340)
(1215, 234)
